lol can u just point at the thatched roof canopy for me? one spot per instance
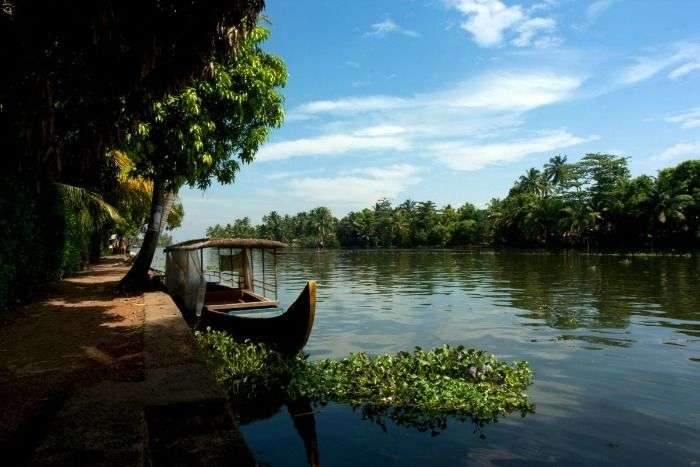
(202, 243)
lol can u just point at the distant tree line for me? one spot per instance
(590, 203)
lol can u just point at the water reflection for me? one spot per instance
(614, 343)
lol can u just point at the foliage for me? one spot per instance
(165, 240)
(51, 236)
(77, 77)
(204, 132)
(89, 206)
(593, 202)
(174, 220)
(80, 73)
(419, 388)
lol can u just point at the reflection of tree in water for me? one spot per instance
(302, 413)
(268, 405)
(422, 420)
(565, 290)
(570, 290)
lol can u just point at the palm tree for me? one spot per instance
(667, 207)
(580, 221)
(364, 224)
(530, 182)
(557, 170)
(273, 227)
(92, 214)
(322, 223)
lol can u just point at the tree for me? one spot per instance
(637, 210)
(323, 225)
(78, 73)
(557, 170)
(241, 228)
(404, 218)
(580, 221)
(530, 182)
(75, 78)
(384, 216)
(274, 227)
(205, 133)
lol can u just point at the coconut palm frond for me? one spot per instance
(81, 199)
(134, 191)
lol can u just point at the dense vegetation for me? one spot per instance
(591, 203)
(78, 79)
(419, 388)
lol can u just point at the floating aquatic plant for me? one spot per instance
(419, 388)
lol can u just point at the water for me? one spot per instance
(614, 344)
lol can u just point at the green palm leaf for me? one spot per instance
(84, 201)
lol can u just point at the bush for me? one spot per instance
(40, 240)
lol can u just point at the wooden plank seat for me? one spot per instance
(224, 298)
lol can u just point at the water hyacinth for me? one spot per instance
(419, 388)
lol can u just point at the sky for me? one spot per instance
(452, 100)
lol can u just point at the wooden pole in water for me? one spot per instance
(263, 272)
(274, 257)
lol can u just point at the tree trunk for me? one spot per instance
(161, 202)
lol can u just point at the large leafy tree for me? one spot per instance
(76, 75)
(204, 133)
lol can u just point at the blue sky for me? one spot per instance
(451, 100)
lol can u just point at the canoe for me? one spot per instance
(286, 333)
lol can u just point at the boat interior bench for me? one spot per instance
(219, 297)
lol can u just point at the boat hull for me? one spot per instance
(286, 333)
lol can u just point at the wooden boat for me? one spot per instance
(287, 332)
(240, 284)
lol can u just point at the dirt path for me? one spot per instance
(79, 335)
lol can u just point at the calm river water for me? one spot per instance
(614, 344)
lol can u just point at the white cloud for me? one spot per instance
(485, 107)
(680, 60)
(527, 30)
(514, 91)
(359, 187)
(464, 156)
(597, 8)
(292, 173)
(543, 5)
(352, 64)
(689, 119)
(488, 21)
(382, 130)
(329, 145)
(502, 91)
(685, 69)
(388, 27)
(682, 150)
(351, 105)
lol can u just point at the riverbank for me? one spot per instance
(89, 377)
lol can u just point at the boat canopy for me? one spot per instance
(202, 243)
(231, 262)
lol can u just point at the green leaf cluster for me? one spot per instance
(205, 132)
(419, 388)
